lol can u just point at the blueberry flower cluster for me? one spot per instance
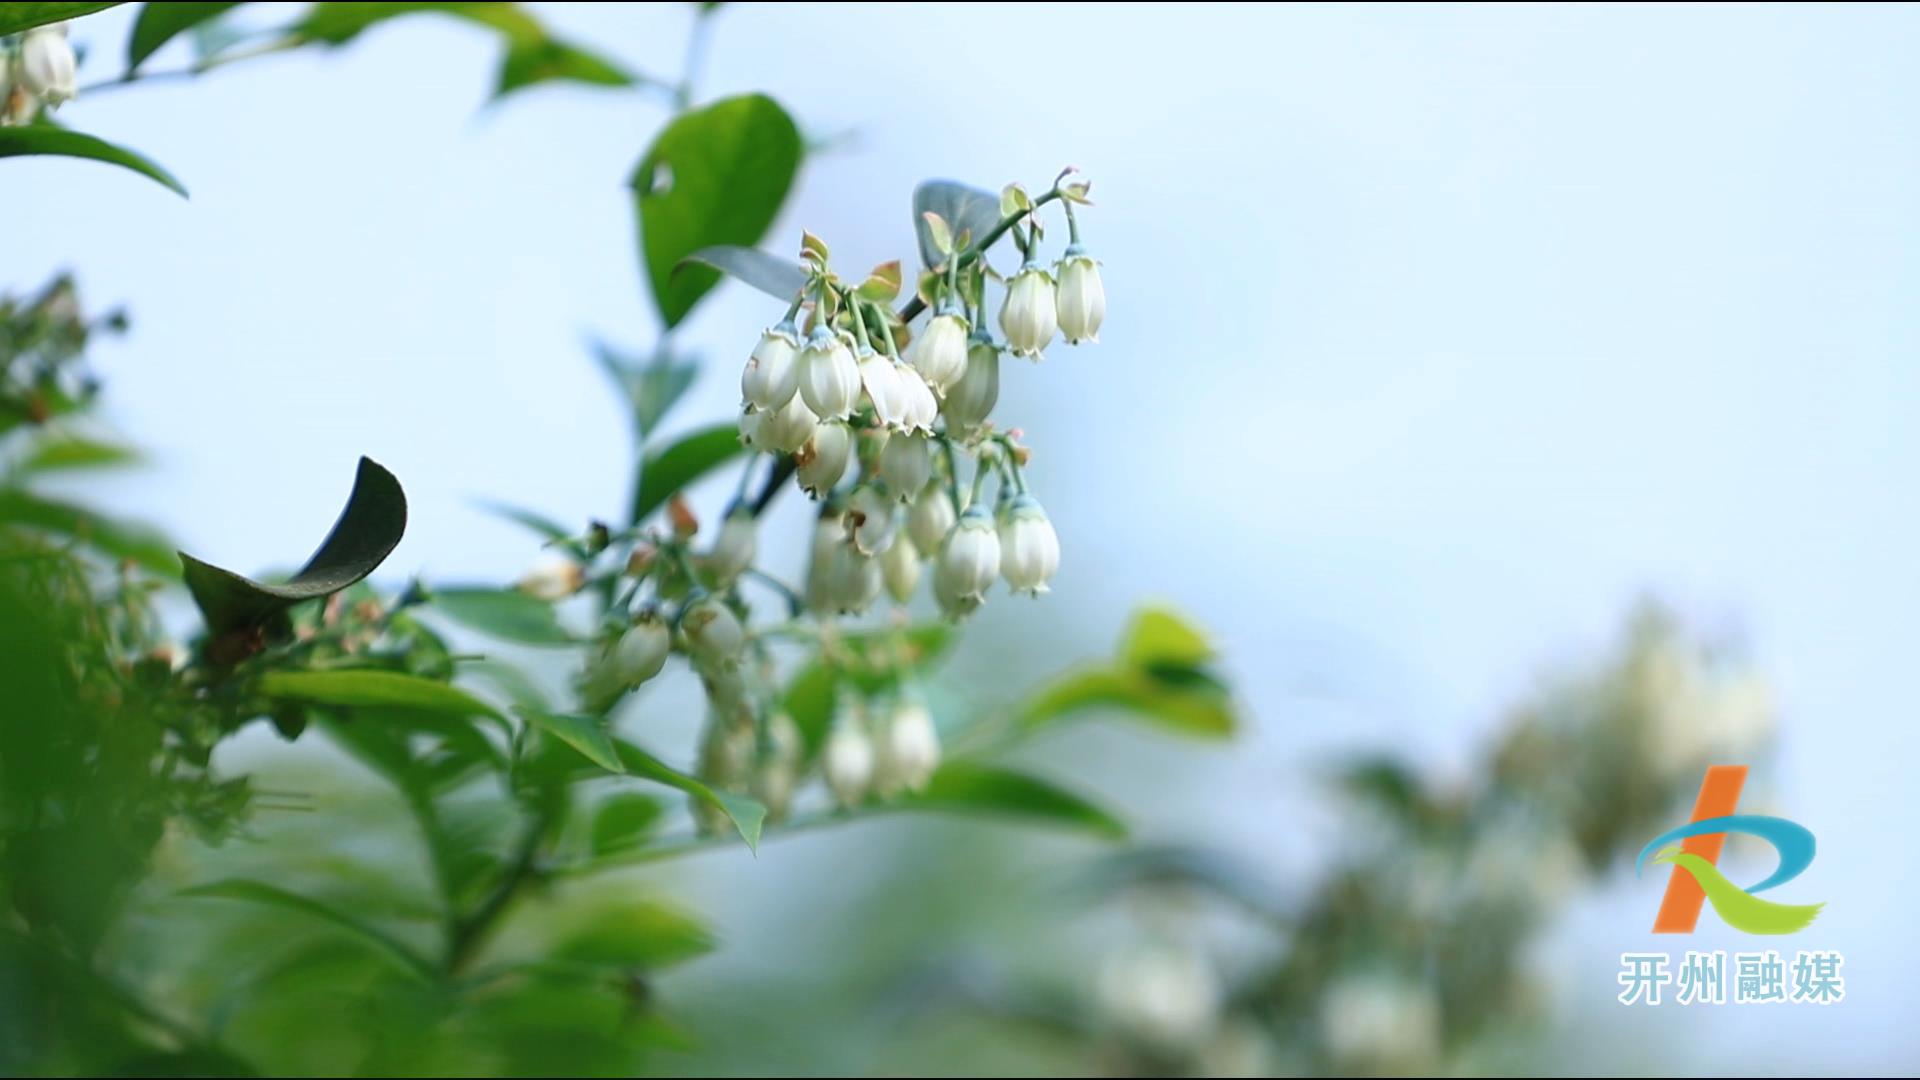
(37, 71)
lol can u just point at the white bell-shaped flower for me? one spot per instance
(969, 562)
(47, 63)
(880, 377)
(772, 374)
(971, 400)
(823, 460)
(829, 378)
(847, 759)
(733, 549)
(939, 354)
(1028, 318)
(906, 463)
(1080, 299)
(909, 750)
(931, 518)
(1029, 548)
(900, 569)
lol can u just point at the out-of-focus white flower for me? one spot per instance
(733, 549)
(853, 579)
(772, 375)
(900, 569)
(1166, 995)
(641, 651)
(1027, 318)
(1381, 1023)
(829, 532)
(829, 378)
(909, 750)
(930, 519)
(939, 354)
(968, 563)
(906, 464)
(1517, 856)
(874, 519)
(783, 430)
(1081, 300)
(880, 377)
(847, 758)
(971, 400)
(47, 63)
(1029, 548)
(553, 580)
(823, 460)
(1699, 712)
(713, 634)
(726, 763)
(921, 408)
(777, 773)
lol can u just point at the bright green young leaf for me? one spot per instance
(1159, 637)
(777, 277)
(663, 473)
(532, 56)
(623, 821)
(259, 892)
(965, 787)
(652, 388)
(43, 139)
(367, 531)
(371, 688)
(547, 60)
(1202, 709)
(74, 452)
(508, 614)
(111, 538)
(17, 17)
(640, 935)
(158, 24)
(746, 814)
(716, 175)
(962, 207)
(586, 734)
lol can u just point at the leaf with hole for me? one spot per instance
(716, 175)
(36, 140)
(365, 534)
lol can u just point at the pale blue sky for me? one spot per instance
(1437, 336)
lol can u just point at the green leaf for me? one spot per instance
(779, 278)
(883, 285)
(367, 531)
(1160, 637)
(510, 681)
(1203, 710)
(17, 17)
(938, 234)
(371, 688)
(537, 522)
(158, 24)
(115, 539)
(43, 139)
(966, 787)
(651, 389)
(547, 60)
(587, 734)
(259, 892)
(73, 452)
(716, 175)
(746, 814)
(643, 934)
(663, 473)
(623, 821)
(507, 614)
(965, 210)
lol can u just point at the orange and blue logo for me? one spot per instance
(1693, 850)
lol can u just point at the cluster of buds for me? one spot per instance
(36, 72)
(878, 408)
(879, 749)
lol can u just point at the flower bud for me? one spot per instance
(776, 775)
(641, 651)
(872, 522)
(906, 463)
(1029, 548)
(847, 759)
(772, 375)
(553, 580)
(47, 63)
(909, 750)
(783, 430)
(733, 549)
(829, 378)
(971, 400)
(930, 518)
(829, 532)
(1081, 300)
(880, 377)
(969, 561)
(712, 634)
(921, 408)
(939, 354)
(853, 579)
(823, 460)
(900, 569)
(1027, 317)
